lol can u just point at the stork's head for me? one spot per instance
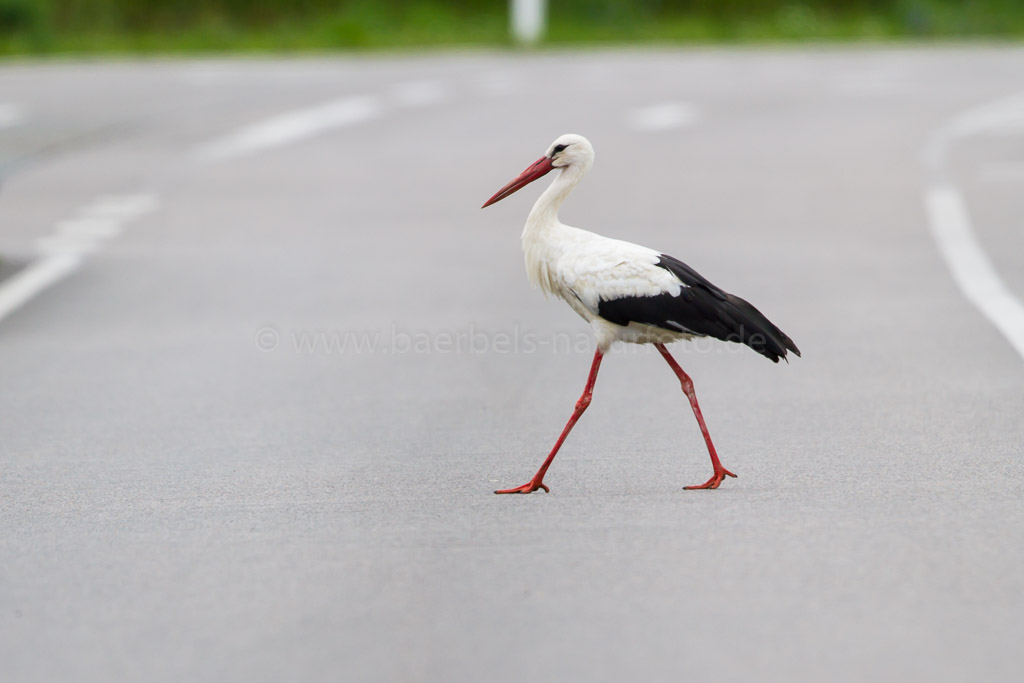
(569, 152)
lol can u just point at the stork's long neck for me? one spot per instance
(541, 243)
(544, 215)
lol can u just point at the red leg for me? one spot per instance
(538, 479)
(719, 471)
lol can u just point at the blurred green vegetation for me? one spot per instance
(85, 26)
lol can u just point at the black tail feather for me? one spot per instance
(756, 331)
(702, 309)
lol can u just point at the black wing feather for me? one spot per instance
(701, 309)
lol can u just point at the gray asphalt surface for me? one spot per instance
(195, 486)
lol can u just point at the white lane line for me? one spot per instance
(79, 235)
(65, 248)
(290, 127)
(11, 114)
(122, 206)
(662, 117)
(26, 284)
(418, 93)
(951, 224)
(971, 268)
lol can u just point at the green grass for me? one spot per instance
(205, 26)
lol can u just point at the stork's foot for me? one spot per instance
(714, 481)
(529, 488)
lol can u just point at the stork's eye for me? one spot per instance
(558, 149)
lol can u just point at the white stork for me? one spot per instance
(627, 292)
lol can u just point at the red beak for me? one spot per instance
(537, 169)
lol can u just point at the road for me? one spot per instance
(253, 416)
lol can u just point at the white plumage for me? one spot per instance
(626, 292)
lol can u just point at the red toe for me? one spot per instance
(713, 482)
(527, 488)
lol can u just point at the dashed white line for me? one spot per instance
(418, 93)
(65, 248)
(11, 114)
(29, 282)
(291, 127)
(88, 227)
(301, 124)
(122, 206)
(662, 117)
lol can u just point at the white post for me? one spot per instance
(529, 19)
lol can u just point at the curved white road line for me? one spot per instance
(951, 224)
(971, 268)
